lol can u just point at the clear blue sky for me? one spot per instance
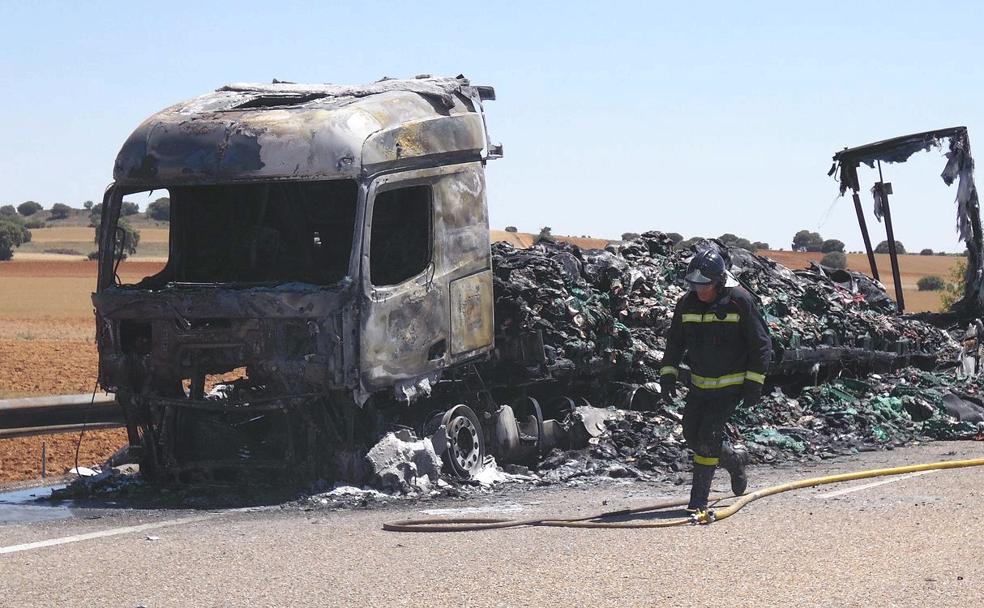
(615, 116)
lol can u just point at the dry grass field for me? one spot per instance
(153, 242)
(47, 348)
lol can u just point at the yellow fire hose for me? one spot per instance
(702, 517)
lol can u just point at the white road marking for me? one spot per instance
(874, 484)
(104, 533)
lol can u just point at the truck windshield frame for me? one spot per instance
(259, 234)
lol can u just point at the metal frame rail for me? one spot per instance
(58, 413)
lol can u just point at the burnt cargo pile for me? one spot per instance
(846, 373)
(603, 314)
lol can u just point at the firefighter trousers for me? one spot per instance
(704, 418)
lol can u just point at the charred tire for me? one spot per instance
(466, 443)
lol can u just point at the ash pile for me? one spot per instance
(581, 328)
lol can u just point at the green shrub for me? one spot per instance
(804, 240)
(955, 286)
(131, 238)
(834, 259)
(930, 283)
(12, 234)
(60, 211)
(29, 208)
(160, 210)
(8, 211)
(883, 247)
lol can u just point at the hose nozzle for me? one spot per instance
(702, 517)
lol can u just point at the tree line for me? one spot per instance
(17, 222)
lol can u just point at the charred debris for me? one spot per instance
(332, 309)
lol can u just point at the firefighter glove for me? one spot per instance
(668, 387)
(751, 394)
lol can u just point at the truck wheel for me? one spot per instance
(466, 443)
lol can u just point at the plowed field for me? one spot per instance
(47, 348)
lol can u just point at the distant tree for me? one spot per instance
(8, 211)
(29, 208)
(129, 208)
(160, 209)
(926, 252)
(804, 240)
(60, 211)
(675, 237)
(545, 234)
(628, 236)
(930, 283)
(508, 228)
(760, 245)
(87, 205)
(12, 234)
(95, 215)
(129, 242)
(834, 259)
(883, 247)
(732, 240)
(832, 245)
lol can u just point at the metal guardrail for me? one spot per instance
(58, 413)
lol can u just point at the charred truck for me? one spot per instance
(330, 278)
(328, 273)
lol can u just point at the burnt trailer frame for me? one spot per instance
(959, 167)
(369, 349)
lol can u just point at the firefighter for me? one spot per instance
(719, 332)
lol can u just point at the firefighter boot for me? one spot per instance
(701, 488)
(734, 462)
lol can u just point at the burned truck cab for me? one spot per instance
(328, 256)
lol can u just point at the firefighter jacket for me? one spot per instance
(724, 343)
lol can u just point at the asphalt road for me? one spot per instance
(912, 541)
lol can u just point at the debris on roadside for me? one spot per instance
(402, 463)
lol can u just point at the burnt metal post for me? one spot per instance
(864, 235)
(884, 189)
(850, 177)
